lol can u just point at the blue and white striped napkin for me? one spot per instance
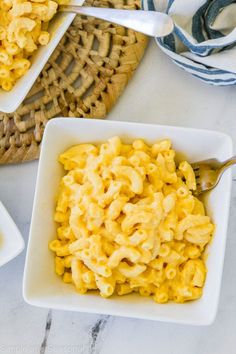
(204, 39)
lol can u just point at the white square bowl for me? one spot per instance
(11, 241)
(41, 285)
(11, 100)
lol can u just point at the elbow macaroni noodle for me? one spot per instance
(23, 27)
(128, 222)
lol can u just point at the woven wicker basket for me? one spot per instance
(83, 78)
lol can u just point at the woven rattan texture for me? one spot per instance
(83, 78)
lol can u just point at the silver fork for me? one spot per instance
(208, 173)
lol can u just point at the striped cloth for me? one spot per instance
(204, 39)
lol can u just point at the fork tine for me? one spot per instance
(195, 167)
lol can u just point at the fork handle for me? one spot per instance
(151, 23)
(228, 163)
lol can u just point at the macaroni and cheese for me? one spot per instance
(23, 27)
(129, 222)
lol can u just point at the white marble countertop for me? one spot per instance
(160, 93)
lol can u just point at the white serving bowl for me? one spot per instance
(10, 101)
(11, 241)
(41, 285)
